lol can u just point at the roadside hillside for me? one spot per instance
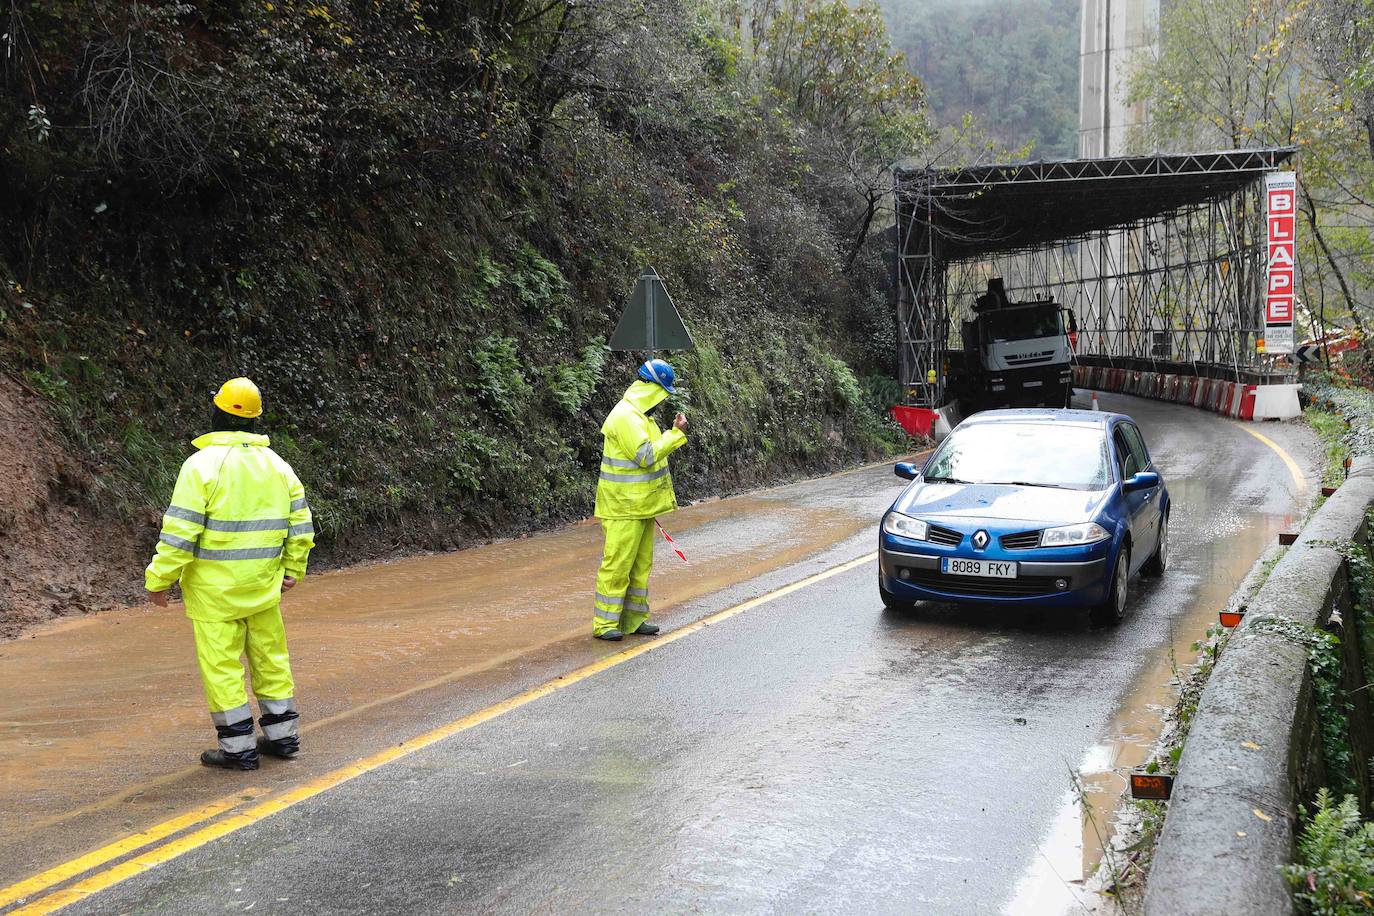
(415, 224)
(56, 556)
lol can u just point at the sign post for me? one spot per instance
(1280, 194)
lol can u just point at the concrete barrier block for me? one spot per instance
(1221, 395)
(1200, 389)
(1277, 402)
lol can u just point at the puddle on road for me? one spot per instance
(1205, 573)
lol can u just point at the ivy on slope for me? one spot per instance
(415, 226)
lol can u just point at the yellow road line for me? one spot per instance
(145, 861)
(1298, 479)
(44, 880)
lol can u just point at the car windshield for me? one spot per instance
(1024, 323)
(1034, 454)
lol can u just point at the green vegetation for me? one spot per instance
(1248, 73)
(1330, 428)
(1012, 64)
(1334, 874)
(414, 222)
(1359, 561)
(1334, 710)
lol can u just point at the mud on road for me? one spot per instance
(101, 718)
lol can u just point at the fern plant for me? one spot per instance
(1334, 874)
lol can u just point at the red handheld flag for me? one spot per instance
(682, 556)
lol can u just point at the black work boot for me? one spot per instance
(280, 730)
(646, 629)
(248, 760)
(284, 749)
(611, 636)
(236, 750)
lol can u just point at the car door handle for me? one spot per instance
(1149, 496)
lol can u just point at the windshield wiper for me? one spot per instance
(1031, 483)
(946, 480)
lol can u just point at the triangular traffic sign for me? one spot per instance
(651, 321)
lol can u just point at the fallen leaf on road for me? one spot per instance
(1250, 745)
(1262, 816)
(1241, 833)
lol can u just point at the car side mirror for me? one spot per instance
(906, 470)
(1145, 480)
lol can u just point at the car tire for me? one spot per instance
(1159, 561)
(892, 602)
(1113, 609)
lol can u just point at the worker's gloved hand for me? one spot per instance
(158, 598)
(680, 422)
(287, 583)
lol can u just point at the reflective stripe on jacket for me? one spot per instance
(238, 522)
(634, 481)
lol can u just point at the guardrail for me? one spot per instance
(1243, 394)
(1254, 750)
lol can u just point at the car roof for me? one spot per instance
(1046, 415)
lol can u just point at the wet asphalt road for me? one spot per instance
(814, 754)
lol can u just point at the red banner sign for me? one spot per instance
(1280, 278)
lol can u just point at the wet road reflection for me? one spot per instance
(815, 754)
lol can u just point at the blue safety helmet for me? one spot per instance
(660, 373)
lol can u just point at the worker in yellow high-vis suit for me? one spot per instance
(634, 488)
(237, 534)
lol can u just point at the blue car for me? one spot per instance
(1057, 508)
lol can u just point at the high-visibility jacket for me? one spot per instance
(237, 524)
(634, 481)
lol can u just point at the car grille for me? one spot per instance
(1022, 587)
(945, 536)
(1022, 540)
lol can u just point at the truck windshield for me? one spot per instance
(1029, 454)
(1024, 323)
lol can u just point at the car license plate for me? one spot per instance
(988, 569)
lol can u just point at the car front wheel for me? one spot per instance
(1113, 608)
(892, 602)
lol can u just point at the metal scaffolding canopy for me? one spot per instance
(1159, 254)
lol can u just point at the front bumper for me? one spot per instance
(917, 577)
(1028, 383)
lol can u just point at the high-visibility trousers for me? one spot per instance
(622, 582)
(220, 644)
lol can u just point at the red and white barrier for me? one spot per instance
(1231, 399)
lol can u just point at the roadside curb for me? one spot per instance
(1253, 752)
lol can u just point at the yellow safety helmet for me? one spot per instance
(240, 397)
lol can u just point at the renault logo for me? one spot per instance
(980, 539)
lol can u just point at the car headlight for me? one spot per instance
(1070, 535)
(904, 526)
